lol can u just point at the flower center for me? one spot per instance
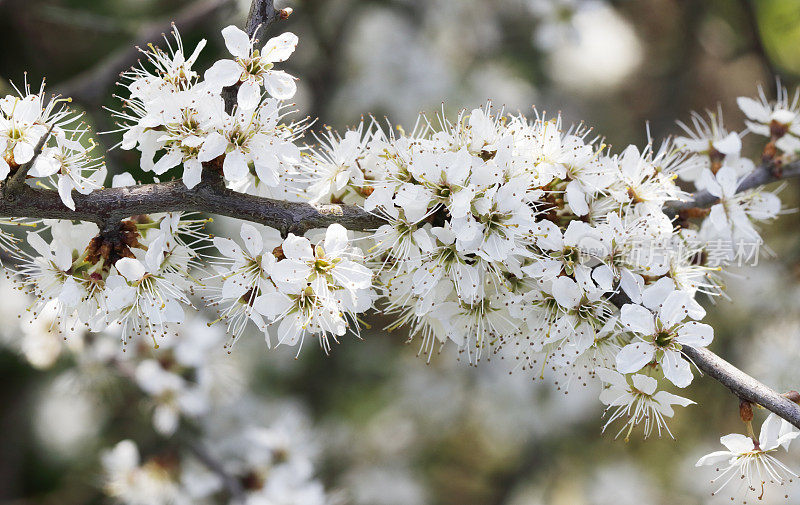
(663, 338)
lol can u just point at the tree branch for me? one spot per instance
(743, 385)
(763, 174)
(114, 204)
(262, 14)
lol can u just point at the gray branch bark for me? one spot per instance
(114, 204)
(762, 175)
(743, 385)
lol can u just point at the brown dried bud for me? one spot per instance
(278, 253)
(113, 245)
(777, 129)
(694, 212)
(367, 190)
(716, 159)
(746, 411)
(793, 396)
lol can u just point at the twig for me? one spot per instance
(16, 182)
(762, 175)
(743, 385)
(233, 486)
(262, 14)
(739, 383)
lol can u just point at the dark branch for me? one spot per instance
(262, 14)
(108, 205)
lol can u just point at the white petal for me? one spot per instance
(290, 275)
(249, 94)
(252, 239)
(235, 166)
(130, 268)
(23, 152)
(566, 292)
(40, 245)
(612, 377)
(4, 168)
(604, 277)
(122, 180)
(297, 248)
(695, 334)
(192, 172)
(728, 181)
(237, 41)
(673, 310)
(335, 239)
(676, 369)
(289, 331)
(645, 384)
(737, 443)
(753, 109)
(223, 73)
(730, 145)
(173, 312)
(65, 191)
(272, 305)
(638, 319)
(655, 294)
(634, 356)
(227, 247)
(631, 284)
(280, 85)
(576, 199)
(714, 458)
(279, 48)
(213, 146)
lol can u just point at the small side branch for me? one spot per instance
(762, 175)
(743, 385)
(16, 183)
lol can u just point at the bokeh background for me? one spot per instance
(387, 427)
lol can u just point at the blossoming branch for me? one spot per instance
(488, 231)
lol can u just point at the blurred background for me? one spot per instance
(382, 426)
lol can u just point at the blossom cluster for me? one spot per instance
(271, 463)
(503, 232)
(64, 161)
(173, 113)
(309, 289)
(224, 442)
(500, 232)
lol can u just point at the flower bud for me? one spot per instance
(746, 411)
